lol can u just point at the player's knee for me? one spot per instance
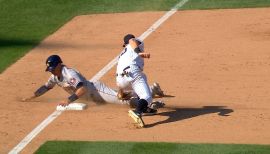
(147, 98)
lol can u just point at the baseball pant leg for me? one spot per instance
(141, 87)
(103, 93)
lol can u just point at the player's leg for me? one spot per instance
(125, 90)
(124, 87)
(103, 93)
(141, 88)
(123, 82)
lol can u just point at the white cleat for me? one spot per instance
(149, 111)
(156, 90)
(157, 104)
(137, 118)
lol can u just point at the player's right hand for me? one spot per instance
(145, 55)
(64, 104)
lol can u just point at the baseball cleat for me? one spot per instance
(157, 104)
(156, 90)
(149, 112)
(136, 117)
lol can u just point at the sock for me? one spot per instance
(142, 106)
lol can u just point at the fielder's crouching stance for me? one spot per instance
(75, 84)
(130, 76)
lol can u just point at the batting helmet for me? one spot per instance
(52, 62)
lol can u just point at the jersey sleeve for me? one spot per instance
(141, 45)
(51, 82)
(75, 79)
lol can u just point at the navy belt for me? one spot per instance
(124, 72)
(126, 68)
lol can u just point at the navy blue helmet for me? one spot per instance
(52, 62)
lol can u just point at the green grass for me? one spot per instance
(24, 23)
(225, 4)
(83, 147)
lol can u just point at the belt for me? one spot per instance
(124, 72)
(126, 68)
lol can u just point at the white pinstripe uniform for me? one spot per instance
(131, 64)
(96, 91)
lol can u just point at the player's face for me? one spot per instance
(57, 70)
(53, 72)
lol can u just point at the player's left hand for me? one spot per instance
(28, 99)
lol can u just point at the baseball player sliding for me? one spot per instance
(130, 76)
(76, 85)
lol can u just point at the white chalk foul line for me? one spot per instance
(103, 71)
(34, 132)
(142, 37)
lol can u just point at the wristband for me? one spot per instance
(43, 89)
(79, 85)
(72, 98)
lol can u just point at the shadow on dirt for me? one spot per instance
(17, 42)
(164, 96)
(178, 114)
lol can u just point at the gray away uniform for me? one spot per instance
(96, 91)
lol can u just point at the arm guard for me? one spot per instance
(72, 98)
(42, 90)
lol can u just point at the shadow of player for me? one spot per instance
(163, 96)
(185, 113)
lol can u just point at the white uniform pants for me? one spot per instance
(136, 81)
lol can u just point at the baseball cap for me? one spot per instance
(52, 62)
(127, 38)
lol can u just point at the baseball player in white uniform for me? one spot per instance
(75, 84)
(130, 75)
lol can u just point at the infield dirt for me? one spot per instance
(213, 65)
